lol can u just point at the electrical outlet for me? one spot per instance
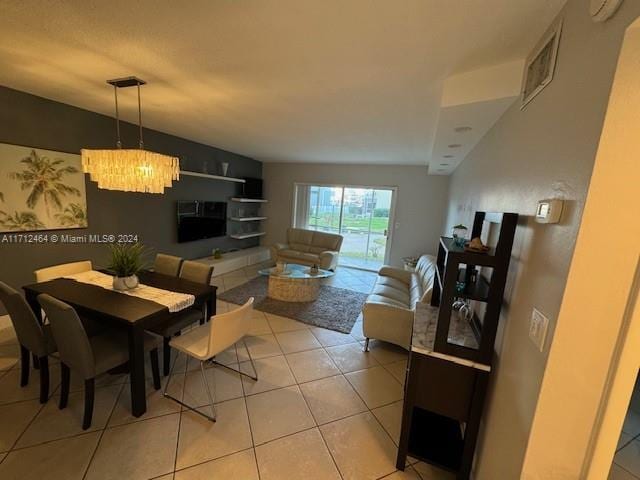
(538, 328)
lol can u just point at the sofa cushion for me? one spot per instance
(426, 271)
(392, 293)
(296, 255)
(391, 282)
(300, 247)
(386, 300)
(299, 236)
(326, 241)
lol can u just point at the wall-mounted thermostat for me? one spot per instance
(549, 210)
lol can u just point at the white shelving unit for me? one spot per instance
(212, 177)
(247, 219)
(248, 200)
(242, 236)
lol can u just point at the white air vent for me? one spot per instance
(602, 10)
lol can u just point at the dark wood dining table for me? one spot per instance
(124, 311)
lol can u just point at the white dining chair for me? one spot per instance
(57, 271)
(203, 343)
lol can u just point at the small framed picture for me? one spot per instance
(541, 64)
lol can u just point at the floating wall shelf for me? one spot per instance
(242, 236)
(247, 219)
(212, 177)
(248, 200)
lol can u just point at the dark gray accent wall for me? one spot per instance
(38, 122)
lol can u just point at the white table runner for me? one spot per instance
(174, 301)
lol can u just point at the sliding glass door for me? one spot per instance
(362, 215)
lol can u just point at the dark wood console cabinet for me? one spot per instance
(451, 355)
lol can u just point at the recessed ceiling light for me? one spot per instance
(447, 156)
(455, 145)
(462, 129)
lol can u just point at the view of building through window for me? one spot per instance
(360, 215)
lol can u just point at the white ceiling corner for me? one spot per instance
(278, 80)
(474, 101)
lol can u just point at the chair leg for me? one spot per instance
(255, 372)
(366, 345)
(155, 368)
(166, 356)
(89, 395)
(44, 379)
(65, 380)
(206, 387)
(180, 402)
(25, 365)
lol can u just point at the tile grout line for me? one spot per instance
(64, 437)
(246, 408)
(184, 384)
(93, 454)
(304, 399)
(369, 410)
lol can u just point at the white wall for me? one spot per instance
(546, 150)
(420, 206)
(592, 319)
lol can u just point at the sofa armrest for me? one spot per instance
(399, 274)
(276, 248)
(388, 322)
(280, 246)
(328, 260)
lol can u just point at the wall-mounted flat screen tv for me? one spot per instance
(200, 219)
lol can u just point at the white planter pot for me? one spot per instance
(125, 283)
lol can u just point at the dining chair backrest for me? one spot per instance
(167, 264)
(225, 329)
(196, 272)
(70, 336)
(28, 330)
(57, 271)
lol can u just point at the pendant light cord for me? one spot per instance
(118, 142)
(141, 143)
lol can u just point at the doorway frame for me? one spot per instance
(392, 209)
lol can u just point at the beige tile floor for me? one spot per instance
(321, 409)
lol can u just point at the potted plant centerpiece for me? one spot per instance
(126, 261)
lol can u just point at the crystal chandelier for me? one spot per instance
(130, 170)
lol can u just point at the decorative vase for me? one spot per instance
(225, 169)
(217, 253)
(314, 269)
(459, 235)
(125, 283)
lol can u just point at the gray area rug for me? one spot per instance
(336, 308)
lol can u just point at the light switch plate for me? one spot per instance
(538, 328)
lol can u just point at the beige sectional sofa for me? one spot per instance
(308, 247)
(388, 311)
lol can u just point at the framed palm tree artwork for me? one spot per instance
(40, 190)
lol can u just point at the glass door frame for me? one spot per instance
(392, 209)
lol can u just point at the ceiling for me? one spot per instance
(334, 81)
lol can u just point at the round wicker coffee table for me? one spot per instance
(295, 284)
